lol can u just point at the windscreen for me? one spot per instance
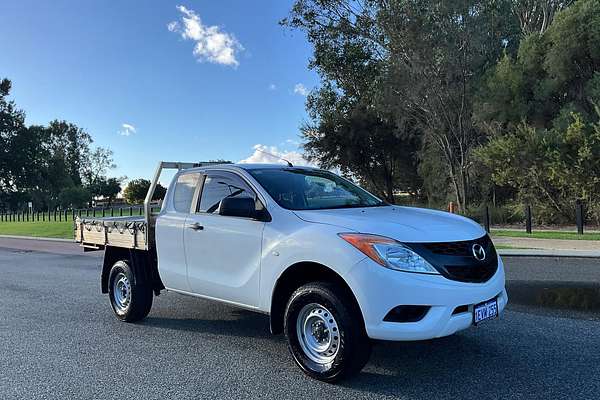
(305, 189)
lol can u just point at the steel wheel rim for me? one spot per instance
(318, 333)
(121, 292)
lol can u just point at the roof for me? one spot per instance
(245, 167)
(268, 166)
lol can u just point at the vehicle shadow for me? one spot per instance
(500, 360)
(482, 366)
(241, 323)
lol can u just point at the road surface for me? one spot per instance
(59, 339)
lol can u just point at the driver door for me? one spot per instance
(223, 253)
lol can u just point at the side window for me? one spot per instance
(217, 187)
(185, 187)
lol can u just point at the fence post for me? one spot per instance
(528, 218)
(141, 210)
(579, 216)
(103, 212)
(130, 211)
(121, 211)
(112, 212)
(451, 207)
(486, 219)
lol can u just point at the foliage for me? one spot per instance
(49, 165)
(136, 190)
(536, 15)
(549, 168)
(542, 111)
(554, 74)
(408, 70)
(347, 131)
(73, 197)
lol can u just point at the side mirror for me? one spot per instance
(244, 207)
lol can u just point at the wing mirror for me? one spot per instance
(244, 207)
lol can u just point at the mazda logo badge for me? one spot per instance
(478, 252)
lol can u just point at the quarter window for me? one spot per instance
(185, 187)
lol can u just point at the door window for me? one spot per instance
(185, 187)
(219, 186)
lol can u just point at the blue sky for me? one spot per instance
(154, 80)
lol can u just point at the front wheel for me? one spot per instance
(325, 332)
(130, 299)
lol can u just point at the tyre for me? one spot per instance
(325, 332)
(131, 299)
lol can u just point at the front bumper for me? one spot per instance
(380, 289)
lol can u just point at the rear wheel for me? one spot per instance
(130, 298)
(325, 332)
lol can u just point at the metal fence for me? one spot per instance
(485, 217)
(71, 214)
(486, 220)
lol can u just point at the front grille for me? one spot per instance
(456, 261)
(471, 273)
(461, 249)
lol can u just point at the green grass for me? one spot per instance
(507, 247)
(546, 234)
(38, 229)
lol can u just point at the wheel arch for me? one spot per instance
(143, 263)
(297, 275)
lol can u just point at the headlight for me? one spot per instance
(389, 253)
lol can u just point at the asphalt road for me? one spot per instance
(59, 339)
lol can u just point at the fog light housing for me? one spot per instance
(407, 313)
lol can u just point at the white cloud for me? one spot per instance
(272, 86)
(127, 130)
(300, 89)
(211, 44)
(260, 156)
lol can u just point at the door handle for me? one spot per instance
(196, 226)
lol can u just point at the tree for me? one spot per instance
(549, 168)
(536, 15)
(12, 123)
(74, 197)
(362, 145)
(38, 163)
(96, 165)
(438, 53)
(136, 190)
(107, 188)
(554, 74)
(413, 67)
(71, 144)
(346, 130)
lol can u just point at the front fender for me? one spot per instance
(284, 246)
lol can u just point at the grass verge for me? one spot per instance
(546, 235)
(47, 229)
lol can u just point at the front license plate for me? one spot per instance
(485, 311)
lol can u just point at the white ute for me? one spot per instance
(333, 265)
